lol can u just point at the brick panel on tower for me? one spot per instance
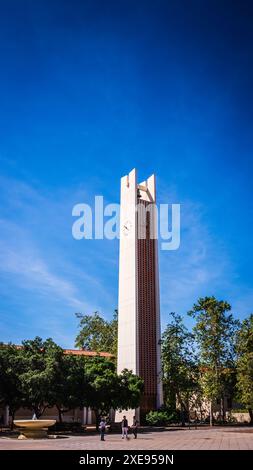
(147, 340)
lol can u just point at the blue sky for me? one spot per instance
(91, 89)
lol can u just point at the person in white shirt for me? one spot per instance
(102, 428)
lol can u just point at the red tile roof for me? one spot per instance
(78, 352)
(82, 352)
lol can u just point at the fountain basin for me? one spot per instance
(33, 428)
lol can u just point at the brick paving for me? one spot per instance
(173, 439)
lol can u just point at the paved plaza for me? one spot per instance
(216, 438)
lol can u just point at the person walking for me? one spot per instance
(135, 427)
(124, 427)
(102, 427)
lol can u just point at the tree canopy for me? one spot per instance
(212, 360)
(244, 364)
(11, 367)
(97, 334)
(40, 375)
(215, 333)
(180, 371)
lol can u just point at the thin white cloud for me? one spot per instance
(34, 274)
(42, 264)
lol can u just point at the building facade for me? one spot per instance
(139, 304)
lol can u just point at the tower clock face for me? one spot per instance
(126, 228)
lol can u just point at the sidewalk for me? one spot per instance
(217, 438)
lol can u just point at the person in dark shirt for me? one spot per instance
(124, 427)
(135, 427)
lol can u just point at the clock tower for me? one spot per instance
(139, 303)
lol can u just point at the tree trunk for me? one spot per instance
(188, 412)
(182, 416)
(12, 419)
(183, 410)
(251, 415)
(211, 413)
(223, 410)
(59, 414)
(97, 418)
(37, 412)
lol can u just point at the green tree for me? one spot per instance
(180, 370)
(39, 375)
(55, 373)
(102, 385)
(69, 385)
(106, 389)
(67, 379)
(130, 388)
(215, 333)
(11, 366)
(244, 347)
(97, 334)
(40, 359)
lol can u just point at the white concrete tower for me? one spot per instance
(139, 302)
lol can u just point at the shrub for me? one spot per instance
(157, 418)
(174, 416)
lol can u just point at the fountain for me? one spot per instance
(33, 428)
